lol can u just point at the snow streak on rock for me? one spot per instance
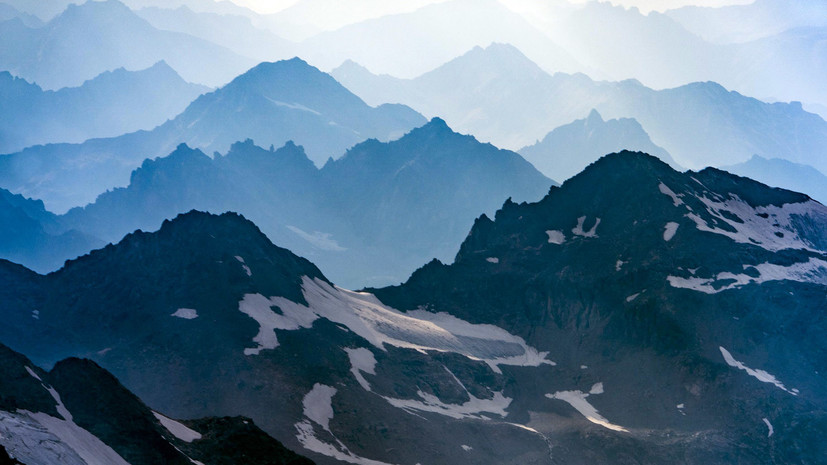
(378, 324)
(760, 375)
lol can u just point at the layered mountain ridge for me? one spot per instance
(501, 96)
(272, 103)
(99, 108)
(344, 216)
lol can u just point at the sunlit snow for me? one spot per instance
(769, 427)
(772, 228)
(664, 189)
(578, 230)
(577, 399)
(378, 324)
(361, 361)
(760, 375)
(556, 237)
(813, 270)
(177, 429)
(669, 230)
(318, 405)
(244, 265)
(186, 313)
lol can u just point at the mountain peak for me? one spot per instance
(225, 247)
(594, 117)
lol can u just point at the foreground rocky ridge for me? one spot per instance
(78, 413)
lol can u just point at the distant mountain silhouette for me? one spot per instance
(409, 44)
(113, 103)
(29, 234)
(568, 149)
(785, 174)
(370, 217)
(8, 12)
(751, 21)
(44, 10)
(271, 103)
(234, 32)
(499, 95)
(86, 40)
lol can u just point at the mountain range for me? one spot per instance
(752, 21)
(409, 44)
(86, 40)
(528, 103)
(271, 103)
(32, 235)
(782, 173)
(109, 105)
(633, 312)
(568, 149)
(347, 216)
(234, 32)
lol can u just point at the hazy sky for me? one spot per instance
(272, 6)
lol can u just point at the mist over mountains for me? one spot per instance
(86, 40)
(271, 103)
(344, 216)
(190, 189)
(529, 103)
(111, 104)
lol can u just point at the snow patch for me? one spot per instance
(771, 227)
(596, 389)
(378, 324)
(769, 427)
(584, 367)
(259, 308)
(577, 399)
(244, 265)
(669, 230)
(186, 313)
(361, 361)
(36, 314)
(318, 409)
(87, 446)
(177, 429)
(466, 448)
(492, 260)
(556, 237)
(619, 264)
(632, 297)
(61, 409)
(578, 230)
(760, 375)
(308, 439)
(813, 270)
(30, 442)
(473, 408)
(318, 405)
(33, 374)
(665, 190)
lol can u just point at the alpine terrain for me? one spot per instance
(634, 313)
